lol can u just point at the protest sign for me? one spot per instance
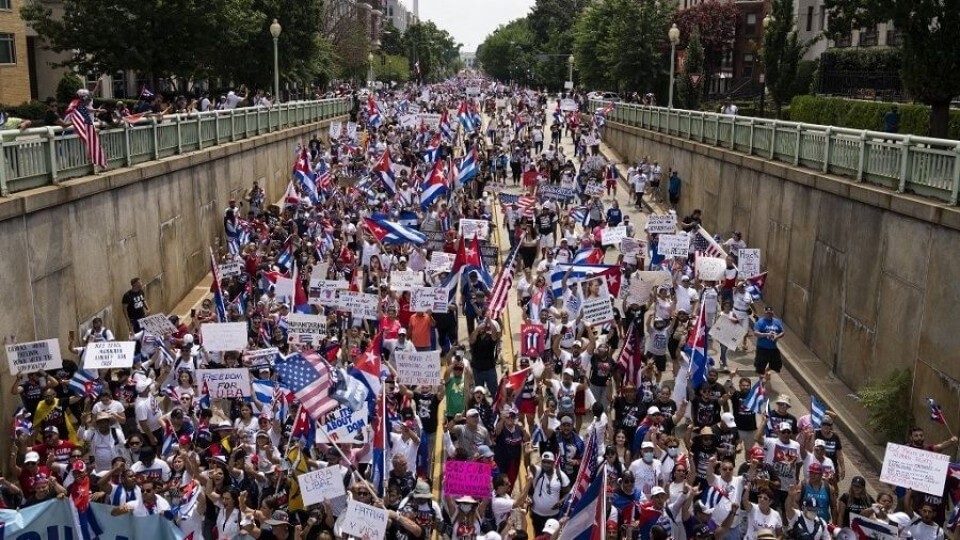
(409, 120)
(425, 95)
(593, 189)
(710, 268)
(405, 280)
(34, 356)
(318, 274)
(643, 282)
(440, 261)
(748, 261)
(612, 236)
(568, 105)
(473, 90)
(362, 305)
(532, 339)
(673, 245)
(108, 354)
(230, 269)
(441, 300)
(260, 357)
(632, 250)
(352, 130)
(333, 132)
(283, 287)
(560, 193)
(224, 383)
(467, 479)
(422, 299)
(727, 333)
(662, 223)
(413, 108)
(475, 227)
(597, 311)
(157, 324)
(418, 367)
(364, 521)
(919, 470)
(590, 140)
(303, 328)
(431, 120)
(224, 336)
(321, 485)
(345, 424)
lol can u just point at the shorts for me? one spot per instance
(546, 241)
(768, 358)
(611, 182)
(674, 198)
(659, 360)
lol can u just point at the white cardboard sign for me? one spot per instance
(422, 299)
(224, 336)
(593, 189)
(405, 280)
(418, 367)
(224, 383)
(919, 470)
(431, 120)
(632, 249)
(662, 223)
(34, 356)
(361, 305)
(710, 268)
(727, 333)
(441, 261)
(157, 324)
(611, 236)
(597, 310)
(748, 261)
(321, 485)
(108, 354)
(230, 269)
(364, 521)
(284, 287)
(344, 424)
(478, 227)
(568, 105)
(673, 245)
(304, 328)
(335, 129)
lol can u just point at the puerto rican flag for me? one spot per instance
(384, 171)
(435, 185)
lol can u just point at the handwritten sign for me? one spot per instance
(673, 245)
(409, 120)
(632, 250)
(611, 236)
(224, 383)
(727, 333)
(597, 310)
(423, 299)
(224, 336)
(108, 354)
(405, 280)
(593, 189)
(157, 324)
(748, 260)
(710, 268)
(431, 120)
(418, 367)
(303, 328)
(34, 356)
(662, 223)
(568, 105)
(345, 424)
(591, 140)
(230, 269)
(283, 287)
(352, 130)
(919, 470)
(560, 193)
(413, 108)
(478, 227)
(334, 130)
(362, 305)
(260, 357)
(467, 479)
(440, 261)
(364, 521)
(321, 485)
(645, 281)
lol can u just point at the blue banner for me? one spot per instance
(56, 520)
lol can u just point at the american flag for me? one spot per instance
(589, 465)
(936, 413)
(704, 244)
(501, 288)
(79, 116)
(310, 379)
(631, 356)
(526, 205)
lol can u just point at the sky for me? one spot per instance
(470, 21)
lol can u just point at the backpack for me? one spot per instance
(800, 532)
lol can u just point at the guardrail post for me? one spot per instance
(905, 164)
(773, 141)
(233, 125)
(827, 139)
(179, 135)
(4, 192)
(52, 154)
(127, 151)
(733, 132)
(750, 143)
(796, 150)
(955, 190)
(156, 137)
(216, 132)
(199, 132)
(862, 160)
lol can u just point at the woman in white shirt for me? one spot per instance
(247, 425)
(760, 515)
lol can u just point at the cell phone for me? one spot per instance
(193, 313)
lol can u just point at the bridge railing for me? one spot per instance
(42, 156)
(905, 163)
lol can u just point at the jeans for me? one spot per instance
(487, 378)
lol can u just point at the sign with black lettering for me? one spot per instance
(34, 356)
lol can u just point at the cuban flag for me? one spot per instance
(755, 286)
(432, 153)
(468, 167)
(475, 116)
(468, 259)
(85, 384)
(304, 176)
(445, 129)
(866, 528)
(588, 521)
(369, 367)
(755, 400)
(588, 255)
(936, 412)
(579, 272)
(384, 171)
(390, 232)
(285, 259)
(697, 349)
(817, 411)
(463, 114)
(580, 215)
(376, 117)
(21, 423)
(435, 185)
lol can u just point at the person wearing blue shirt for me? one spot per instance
(474, 293)
(673, 189)
(769, 330)
(614, 214)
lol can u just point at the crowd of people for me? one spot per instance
(684, 446)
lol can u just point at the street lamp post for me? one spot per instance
(370, 74)
(570, 60)
(674, 35)
(767, 21)
(275, 30)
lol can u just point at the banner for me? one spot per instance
(560, 193)
(662, 223)
(568, 105)
(431, 120)
(333, 132)
(611, 236)
(305, 329)
(352, 130)
(727, 333)
(364, 521)
(224, 383)
(157, 324)
(321, 485)
(55, 519)
(711, 268)
(230, 269)
(34, 356)
(405, 280)
(361, 305)
(919, 470)
(345, 425)
(748, 261)
(467, 478)
(593, 189)
(418, 367)
(260, 357)
(108, 354)
(224, 336)
(673, 245)
(478, 227)
(409, 120)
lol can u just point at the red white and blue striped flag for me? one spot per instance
(936, 413)
(501, 288)
(79, 116)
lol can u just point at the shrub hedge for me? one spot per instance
(856, 114)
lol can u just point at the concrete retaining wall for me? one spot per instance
(866, 278)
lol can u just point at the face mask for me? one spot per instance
(465, 508)
(810, 514)
(647, 457)
(672, 452)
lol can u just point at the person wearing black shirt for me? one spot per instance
(781, 414)
(728, 437)
(705, 409)
(135, 305)
(703, 446)
(401, 476)
(834, 446)
(601, 372)
(745, 418)
(627, 410)
(51, 117)
(692, 222)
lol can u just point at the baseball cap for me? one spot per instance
(551, 526)
(858, 481)
(728, 420)
(568, 371)
(566, 420)
(647, 444)
(31, 457)
(402, 331)
(184, 440)
(657, 490)
(706, 431)
(143, 385)
(78, 466)
(546, 456)
(484, 451)
(785, 426)
(819, 442)
(481, 389)
(279, 517)
(815, 468)
(756, 453)
(51, 429)
(473, 412)
(810, 502)
(104, 415)
(653, 410)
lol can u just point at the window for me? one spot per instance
(5, 5)
(868, 37)
(751, 27)
(8, 50)
(748, 65)
(823, 18)
(809, 18)
(91, 80)
(120, 84)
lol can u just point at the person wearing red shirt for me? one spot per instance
(30, 474)
(53, 445)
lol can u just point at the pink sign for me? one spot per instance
(467, 478)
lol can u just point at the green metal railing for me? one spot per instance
(905, 163)
(42, 156)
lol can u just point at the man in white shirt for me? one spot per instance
(639, 181)
(104, 440)
(148, 412)
(924, 525)
(646, 468)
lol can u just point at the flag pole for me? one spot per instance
(353, 469)
(603, 501)
(383, 430)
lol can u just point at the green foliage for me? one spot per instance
(68, 86)
(508, 53)
(391, 40)
(855, 114)
(803, 84)
(886, 400)
(716, 23)
(782, 51)
(391, 68)
(434, 48)
(931, 51)
(689, 95)
(33, 111)
(877, 59)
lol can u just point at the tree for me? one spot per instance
(391, 40)
(394, 68)
(781, 54)
(716, 23)
(931, 50)
(551, 24)
(690, 91)
(506, 54)
(434, 49)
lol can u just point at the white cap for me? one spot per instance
(657, 490)
(31, 457)
(647, 444)
(188, 339)
(819, 442)
(143, 385)
(728, 420)
(653, 409)
(785, 426)
(568, 371)
(551, 526)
